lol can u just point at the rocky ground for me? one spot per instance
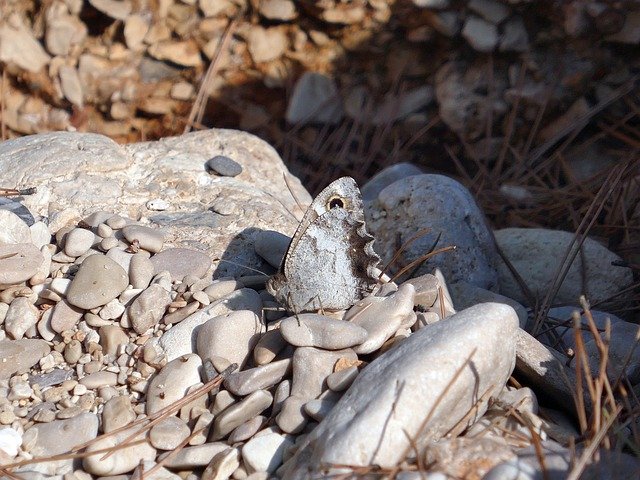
(132, 326)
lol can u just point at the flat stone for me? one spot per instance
(271, 246)
(312, 366)
(238, 413)
(247, 430)
(193, 457)
(535, 253)
(291, 418)
(60, 436)
(342, 379)
(148, 308)
(258, 378)
(376, 419)
(65, 316)
(266, 44)
(381, 317)
(117, 413)
(98, 281)
(78, 241)
(99, 379)
(143, 472)
(264, 453)
(54, 377)
(21, 316)
(222, 465)
(18, 262)
(141, 271)
(231, 336)
(466, 295)
(278, 10)
(122, 460)
(18, 356)
(386, 177)
(426, 287)
(481, 35)
(172, 382)
(111, 337)
(315, 98)
(446, 210)
(150, 239)
(268, 347)
(181, 261)
(181, 339)
(224, 166)
(20, 47)
(313, 330)
(168, 433)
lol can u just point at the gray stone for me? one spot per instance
(272, 246)
(20, 317)
(386, 177)
(381, 317)
(448, 213)
(172, 382)
(21, 211)
(13, 229)
(536, 254)
(168, 433)
(148, 308)
(122, 460)
(18, 356)
(117, 413)
(291, 418)
(111, 337)
(264, 453)
(375, 420)
(342, 379)
(247, 430)
(222, 465)
(99, 379)
(311, 367)
(224, 166)
(65, 316)
(314, 330)
(481, 35)
(141, 271)
(231, 336)
(98, 281)
(180, 262)
(258, 378)
(78, 241)
(240, 412)
(60, 436)
(149, 239)
(269, 345)
(193, 457)
(181, 339)
(315, 99)
(18, 262)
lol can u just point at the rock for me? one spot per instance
(258, 378)
(118, 9)
(193, 457)
(222, 465)
(315, 99)
(20, 317)
(180, 262)
(269, 345)
(71, 85)
(224, 166)
(99, 379)
(282, 10)
(117, 413)
(313, 330)
(272, 246)
(18, 356)
(381, 317)
(240, 412)
(536, 253)
(111, 337)
(481, 35)
(264, 453)
(148, 308)
(231, 336)
(65, 316)
(22, 212)
(136, 27)
(98, 281)
(374, 420)
(342, 379)
(172, 382)
(491, 10)
(149, 239)
(630, 32)
(143, 470)
(386, 177)
(19, 262)
(20, 47)
(168, 433)
(466, 295)
(395, 107)
(266, 44)
(60, 436)
(185, 53)
(312, 366)
(291, 418)
(181, 339)
(247, 430)
(13, 229)
(122, 460)
(448, 212)
(10, 441)
(142, 168)
(515, 37)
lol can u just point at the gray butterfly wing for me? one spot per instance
(330, 262)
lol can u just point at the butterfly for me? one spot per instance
(330, 263)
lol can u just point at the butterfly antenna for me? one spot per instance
(240, 265)
(403, 247)
(423, 259)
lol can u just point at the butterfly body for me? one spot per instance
(330, 263)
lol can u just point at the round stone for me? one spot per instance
(181, 261)
(78, 241)
(169, 433)
(13, 229)
(98, 281)
(150, 239)
(313, 330)
(19, 262)
(224, 166)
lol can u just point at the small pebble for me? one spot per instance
(224, 166)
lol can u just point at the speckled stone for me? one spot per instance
(98, 281)
(224, 166)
